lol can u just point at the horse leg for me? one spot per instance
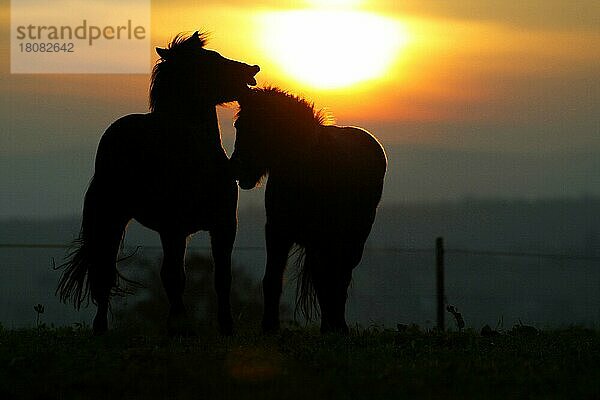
(105, 243)
(332, 294)
(315, 263)
(339, 295)
(347, 259)
(222, 246)
(278, 248)
(172, 274)
(332, 278)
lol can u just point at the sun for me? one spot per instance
(337, 4)
(329, 49)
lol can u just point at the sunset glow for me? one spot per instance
(334, 3)
(331, 49)
(446, 73)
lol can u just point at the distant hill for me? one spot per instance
(53, 184)
(418, 173)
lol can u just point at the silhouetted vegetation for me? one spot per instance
(373, 363)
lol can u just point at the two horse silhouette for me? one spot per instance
(168, 170)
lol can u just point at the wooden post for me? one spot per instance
(439, 273)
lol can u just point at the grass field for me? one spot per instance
(375, 363)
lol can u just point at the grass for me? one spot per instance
(70, 363)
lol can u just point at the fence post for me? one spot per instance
(439, 273)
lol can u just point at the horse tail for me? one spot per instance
(306, 297)
(98, 243)
(73, 285)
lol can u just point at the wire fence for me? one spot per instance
(395, 283)
(406, 250)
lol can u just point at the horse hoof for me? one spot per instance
(100, 326)
(336, 330)
(225, 325)
(226, 330)
(270, 328)
(99, 332)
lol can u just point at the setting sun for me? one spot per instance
(334, 3)
(327, 50)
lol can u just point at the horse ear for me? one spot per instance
(163, 53)
(195, 40)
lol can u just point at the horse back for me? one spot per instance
(355, 147)
(166, 172)
(146, 143)
(333, 191)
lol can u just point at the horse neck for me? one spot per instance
(206, 116)
(202, 118)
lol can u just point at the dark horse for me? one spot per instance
(169, 171)
(324, 185)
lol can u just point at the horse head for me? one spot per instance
(272, 127)
(187, 74)
(247, 161)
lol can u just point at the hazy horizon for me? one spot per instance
(52, 184)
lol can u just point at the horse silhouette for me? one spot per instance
(168, 170)
(324, 185)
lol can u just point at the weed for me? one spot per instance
(39, 309)
(460, 322)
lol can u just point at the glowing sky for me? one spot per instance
(486, 75)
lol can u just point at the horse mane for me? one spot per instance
(166, 71)
(271, 100)
(179, 41)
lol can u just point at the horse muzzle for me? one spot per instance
(252, 71)
(239, 173)
(246, 185)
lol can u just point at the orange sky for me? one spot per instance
(515, 77)
(446, 59)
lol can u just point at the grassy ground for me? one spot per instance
(369, 364)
